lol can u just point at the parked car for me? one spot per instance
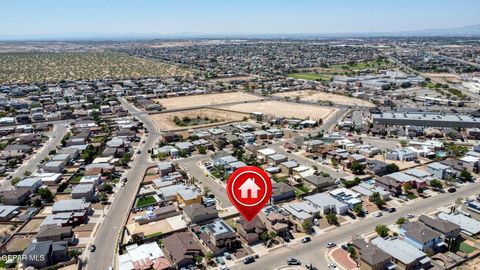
(391, 209)
(306, 239)
(332, 266)
(378, 214)
(331, 244)
(249, 259)
(92, 248)
(452, 190)
(293, 261)
(410, 215)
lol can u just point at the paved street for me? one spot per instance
(314, 251)
(111, 227)
(215, 187)
(59, 130)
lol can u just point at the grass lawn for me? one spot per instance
(76, 179)
(68, 190)
(149, 200)
(310, 76)
(154, 235)
(466, 248)
(411, 196)
(283, 179)
(98, 139)
(304, 189)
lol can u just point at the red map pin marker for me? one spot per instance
(249, 189)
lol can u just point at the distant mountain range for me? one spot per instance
(465, 31)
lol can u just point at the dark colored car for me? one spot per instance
(249, 259)
(306, 239)
(452, 190)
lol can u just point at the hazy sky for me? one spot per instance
(25, 17)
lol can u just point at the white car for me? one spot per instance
(332, 266)
(331, 244)
(378, 214)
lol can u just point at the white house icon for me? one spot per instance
(247, 186)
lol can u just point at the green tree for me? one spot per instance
(382, 230)
(331, 218)
(352, 252)
(435, 183)
(466, 175)
(358, 209)
(391, 168)
(107, 188)
(307, 226)
(403, 143)
(202, 150)
(377, 200)
(407, 187)
(401, 221)
(357, 168)
(264, 236)
(209, 256)
(45, 194)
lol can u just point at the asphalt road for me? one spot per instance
(59, 130)
(314, 252)
(215, 187)
(112, 226)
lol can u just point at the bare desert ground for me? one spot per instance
(285, 109)
(311, 95)
(165, 122)
(204, 100)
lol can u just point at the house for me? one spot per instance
(165, 167)
(287, 167)
(449, 231)
(438, 170)
(282, 192)
(84, 191)
(312, 145)
(403, 178)
(145, 256)
(367, 189)
(302, 211)
(7, 212)
(263, 154)
(14, 197)
(404, 255)
(326, 203)
(49, 179)
(320, 181)
(188, 196)
(470, 163)
(421, 237)
(347, 196)
(91, 179)
(171, 137)
(54, 167)
(219, 237)
(420, 174)
(376, 167)
(56, 233)
(468, 225)
(250, 231)
(78, 207)
(43, 254)
(32, 184)
(199, 214)
(181, 248)
(370, 256)
(401, 154)
(277, 159)
(274, 220)
(64, 158)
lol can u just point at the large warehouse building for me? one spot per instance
(425, 119)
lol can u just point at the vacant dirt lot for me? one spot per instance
(204, 100)
(165, 122)
(285, 109)
(311, 95)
